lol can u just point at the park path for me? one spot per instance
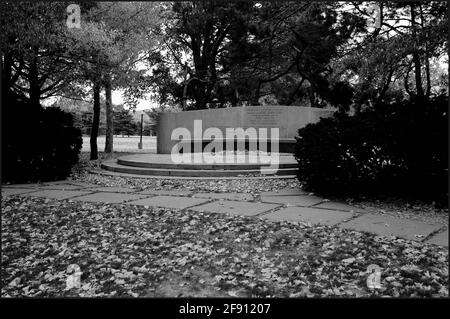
(289, 204)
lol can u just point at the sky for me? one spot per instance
(117, 98)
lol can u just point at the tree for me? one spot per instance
(128, 27)
(112, 41)
(193, 37)
(36, 63)
(226, 53)
(124, 123)
(293, 44)
(394, 61)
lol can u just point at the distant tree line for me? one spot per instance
(125, 121)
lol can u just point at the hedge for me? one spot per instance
(37, 144)
(399, 149)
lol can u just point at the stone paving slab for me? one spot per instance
(389, 226)
(57, 193)
(339, 206)
(235, 208)
(440, 239)
(169, 202)
(309, 215)
(321, 212)
(292, 200)
(16, 191)
(226, 196)
(109, 198)
(60, 186)
(112, 189)
(284, 192)
(165, 192)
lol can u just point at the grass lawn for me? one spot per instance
(124, 144)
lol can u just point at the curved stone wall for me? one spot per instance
(287, 118)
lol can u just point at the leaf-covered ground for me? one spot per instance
(125, 250)
(426, 212)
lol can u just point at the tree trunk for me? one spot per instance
(235, 99)
(416, 57)
(201, 103)
(95, 121)
(385, 87)
(427, 58)
(200, 96)
(418, 75)
(109, 117)
(255, 96)
(185, 96)
(427, 74)
(34, 91)
(6, 77)
(294, 92)
(312, 98)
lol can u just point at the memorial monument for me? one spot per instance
(253, 126)
(288, 119)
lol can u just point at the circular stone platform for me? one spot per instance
(162, 165)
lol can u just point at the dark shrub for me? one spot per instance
(399, 149)
(37, 144)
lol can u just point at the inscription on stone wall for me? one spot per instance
(263, 117)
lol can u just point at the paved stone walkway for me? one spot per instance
(293, 205)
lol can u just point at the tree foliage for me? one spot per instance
(396, 61)
(217, 54)
(124, 123)
(34, 45)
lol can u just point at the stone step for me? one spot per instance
(169, 165)
(116, 167)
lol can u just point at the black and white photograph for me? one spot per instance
(245, 151)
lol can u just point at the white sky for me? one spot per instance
(117, 98)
